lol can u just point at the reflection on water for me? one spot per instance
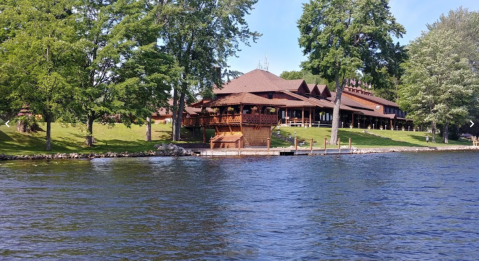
(383, 206)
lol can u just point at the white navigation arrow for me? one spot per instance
(472, 124)
(7, 124)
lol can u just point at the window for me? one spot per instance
(270, 95)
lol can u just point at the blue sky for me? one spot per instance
(277, 20)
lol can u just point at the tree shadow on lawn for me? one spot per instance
(18, 144)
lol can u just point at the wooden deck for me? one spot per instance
(231, 119)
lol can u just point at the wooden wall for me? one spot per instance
(254, 136)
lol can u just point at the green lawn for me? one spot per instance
(118, 138)
(363, 140)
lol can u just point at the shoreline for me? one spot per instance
(177, 151)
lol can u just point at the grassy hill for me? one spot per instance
(119, 138)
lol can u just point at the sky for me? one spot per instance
(277, 21)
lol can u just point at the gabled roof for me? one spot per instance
(324, 90)
(244, 98)
(318, 102)
(258, 81)
(372, 98)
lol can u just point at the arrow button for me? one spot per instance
(472, 124)
(7, 124)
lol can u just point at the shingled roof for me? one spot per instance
(372, 98)
(259, 81)
(244, 98)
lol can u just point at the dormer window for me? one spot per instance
(270, 95)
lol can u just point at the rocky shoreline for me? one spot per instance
(160, 150)
(415, 149)
(172, 150)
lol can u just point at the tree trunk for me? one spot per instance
(148, 129)
(89, 126)
(180, 115)
(48, 118)
(337, 103)
(433, 126)
(175, 107)
(445, 133)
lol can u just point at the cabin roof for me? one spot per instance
(348, 101)
(244, 98)
(371, 98)
(258, 81)
(318, 102)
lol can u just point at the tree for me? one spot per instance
(465, 25)
(292, 75)
(36, 56)
(439, 83)
(146, 77)
(344, 37)
(306, 76)
(201, 35)
(117, 64)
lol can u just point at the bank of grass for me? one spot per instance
(360, 139)
(119, 138)
(68, 139)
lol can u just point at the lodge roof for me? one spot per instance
(244, 98)
(318, 102)
(259, 81)
(369, 97)
(348, 101)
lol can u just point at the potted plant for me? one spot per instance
(231, 110)
(216, 111)
(272, 110)
(369, 127)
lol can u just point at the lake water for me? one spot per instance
(403, 206)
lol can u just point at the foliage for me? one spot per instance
(202, 34)
(465, 25)
(439, 84)
(344, 38)
(36, 57)
(308, 77)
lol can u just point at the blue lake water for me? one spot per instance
(405, 206)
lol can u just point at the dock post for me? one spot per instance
(311, 146)
(295, 143)
(339, 143)
(349, 143)
(211, 147)
(269, 143)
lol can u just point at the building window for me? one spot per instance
(270, 95)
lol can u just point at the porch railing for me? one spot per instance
(231, 118)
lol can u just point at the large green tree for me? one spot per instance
(464, 24)
(123, 71)
(37, 56)
(439, 83)
(345, 37)
(307, 76)
(147, 75)
(201, 35)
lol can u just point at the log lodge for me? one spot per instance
(247, 108)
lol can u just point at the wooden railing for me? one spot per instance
(231, 118)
